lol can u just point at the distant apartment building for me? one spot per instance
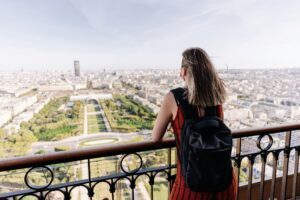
(21, 104)
(14, 107)
(104, 83)
(57, 87)
(5, 116)
(154, 108)
(86, 97)
(21, 91)
(117, 84)
(238, 114)
(231, 97)
(294, 112)
(79, 86)
(11, 128)
(142, 94)
(14, 126)
(76, 68)
(16, 91)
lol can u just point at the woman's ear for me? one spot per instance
(183, 73)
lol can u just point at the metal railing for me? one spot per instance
(267, 167)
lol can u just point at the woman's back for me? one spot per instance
(204, 88)
(180, 190)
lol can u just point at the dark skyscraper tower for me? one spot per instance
(76, 68)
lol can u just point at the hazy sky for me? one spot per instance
(50, 34)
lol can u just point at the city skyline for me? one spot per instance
(47, 112)
(149, 34)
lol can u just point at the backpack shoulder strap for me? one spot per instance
(178, 94)
(181, 101)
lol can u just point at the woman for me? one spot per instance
(203, 89)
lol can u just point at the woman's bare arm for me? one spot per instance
(163, 118)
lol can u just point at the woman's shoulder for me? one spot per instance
(169, 97)
(170, 101)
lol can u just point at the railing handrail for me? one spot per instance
(112, 150)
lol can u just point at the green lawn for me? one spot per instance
(95, 124)
(90, 108)
(126, 115)
(56, 133)
(53, 124)
(95, 121)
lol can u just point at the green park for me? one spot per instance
(50, 124)
(126, 115)
(56, 122)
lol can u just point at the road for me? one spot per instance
(74, 142)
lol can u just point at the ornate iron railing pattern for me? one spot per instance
(263, 153)
(264, 138)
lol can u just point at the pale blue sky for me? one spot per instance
(50, 34)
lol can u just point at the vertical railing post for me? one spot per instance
(262, 174)
(42, 196)
(67, 195)
(90, 190)
(285, 164)
(251, 159)
(296, 169)
(238, 165)
(169, 171)
(274, 173)
(112, 188)
(151, 182)
(132, 186)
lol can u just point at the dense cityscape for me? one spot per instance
(255, 97)
(50, 111)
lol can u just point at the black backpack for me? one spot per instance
(205, 149)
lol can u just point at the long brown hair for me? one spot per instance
(205, 87)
